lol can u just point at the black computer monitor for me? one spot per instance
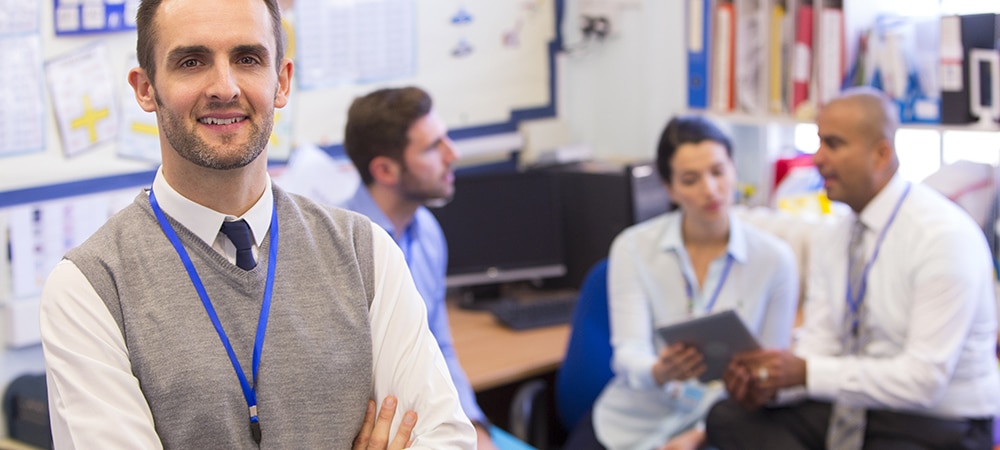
(600, 200)
(503, 227)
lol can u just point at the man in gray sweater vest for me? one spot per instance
(190, 321)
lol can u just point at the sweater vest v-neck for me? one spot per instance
(315, 374)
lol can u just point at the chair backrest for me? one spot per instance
(586, 368)
(25, 404)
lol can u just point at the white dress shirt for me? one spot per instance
(929, 312)
(647, 276)
(82, 342)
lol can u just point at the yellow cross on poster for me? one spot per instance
(89, 119)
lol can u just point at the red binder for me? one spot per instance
(802, 57)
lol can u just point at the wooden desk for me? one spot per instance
(10, 444)
(493, 355)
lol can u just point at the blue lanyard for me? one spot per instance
(718, 287)
(249, 392)
(854, 301)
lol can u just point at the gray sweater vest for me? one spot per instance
(315, 373)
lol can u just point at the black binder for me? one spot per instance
(977, 31)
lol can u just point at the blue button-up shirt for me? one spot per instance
(426, 253)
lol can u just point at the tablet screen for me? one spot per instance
(718, 336)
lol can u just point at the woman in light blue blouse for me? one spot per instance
(686, 263)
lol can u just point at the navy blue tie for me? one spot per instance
(239, 233)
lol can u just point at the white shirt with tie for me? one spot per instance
(929, 311)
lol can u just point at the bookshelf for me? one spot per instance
(784, 120)
(790, 56)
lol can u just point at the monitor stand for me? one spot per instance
(490, 296)
(482, 297)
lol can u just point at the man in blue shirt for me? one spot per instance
(404, 157)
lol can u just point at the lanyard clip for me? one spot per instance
(254, 424)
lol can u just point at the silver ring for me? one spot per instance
(762, 373)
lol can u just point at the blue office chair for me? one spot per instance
(586, 368)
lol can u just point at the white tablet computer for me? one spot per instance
(718, 336)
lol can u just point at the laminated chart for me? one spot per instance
(22, 114)
(71, 17)
(83, 98)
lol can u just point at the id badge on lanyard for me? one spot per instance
(687, 395)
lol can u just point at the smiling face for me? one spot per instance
(426, 173)
(702, 181)
(216, 84)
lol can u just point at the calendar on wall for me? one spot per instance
(72, 17)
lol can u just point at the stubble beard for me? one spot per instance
(193, 148)
(412, 190)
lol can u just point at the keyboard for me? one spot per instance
(525, 315)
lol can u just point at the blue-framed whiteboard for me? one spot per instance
(464, 95)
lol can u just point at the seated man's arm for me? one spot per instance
(437, 319)
(407, 362)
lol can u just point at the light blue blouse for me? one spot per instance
(649, 271)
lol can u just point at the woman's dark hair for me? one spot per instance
(686, 130)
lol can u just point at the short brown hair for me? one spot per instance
(146, 34)
(378, 123)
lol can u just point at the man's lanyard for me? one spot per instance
(718, 287)
(249, 392)
(854, 301)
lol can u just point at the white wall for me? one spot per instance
(617, 95)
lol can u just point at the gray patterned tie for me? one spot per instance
(847, 423)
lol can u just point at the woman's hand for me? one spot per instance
(677, 362)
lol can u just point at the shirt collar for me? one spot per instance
(205, 222)
(876, 213)
(737, 247)
(362, 202)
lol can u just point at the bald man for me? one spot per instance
(901, 349)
